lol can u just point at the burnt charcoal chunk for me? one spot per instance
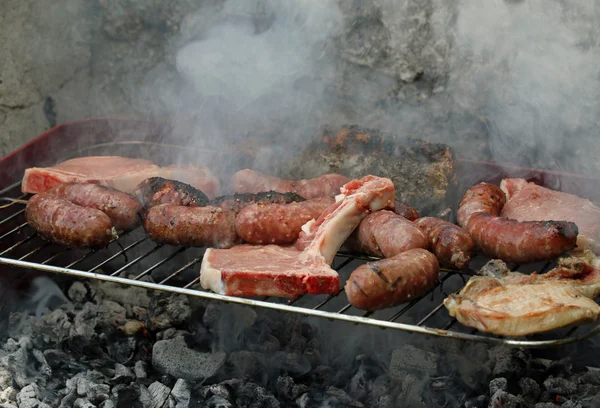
(286, 388)
(292, 363)
(478, 402)
(424, 170)
(129, 397)
(560, 386)
(505, 400)
(218, 402)
(508, 363)
(245, 364)
(592, 376)
(251, 395)
(498, 384)
(530, 389)
(571, 404)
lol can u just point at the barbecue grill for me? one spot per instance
(131, 258)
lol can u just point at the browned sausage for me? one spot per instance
(392, 281)
(251, 181)
(452, 245)
(191, 226)
(123, 209)
(236, 202)
(385, 234)
(278, 224)
(507, 239)
(157, 190)
(65, 223)
(405, 210)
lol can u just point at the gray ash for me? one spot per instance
(116, 346)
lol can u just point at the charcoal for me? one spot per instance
(587, 390)
(506, 400)
(107, 404)
(591, 402)
(201, 336)
(255, 396)
(51, 329)
(561, 368)
(7, 405)
(26, 365)
(216, 314)
(140, 370)
(385, 401)
(8, 394)
(322, 375)
(545, 405)
(125, 295)
(169, 311)
(361, 382)
(335, 396)
(592, 376)
(246, 364)
(221, 390)
(78, 292)
(313, 356)
(128, 397)
(262, 341)
(498, 384)
(287, 389)
(83, 403)
(173, 357)
(412, 359)
(123, 375)
(218, 402)
(412, 392)
(292, 363)
(69, 399)
(159, 392)
(122, 349)
(508, 363)
(478, 402)
(180, 394)
(530, 389)
(570, 404)
(559, 386)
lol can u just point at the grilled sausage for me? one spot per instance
(251, 181)
(278, 224)
(392, 281)
(58, 220)
(452, 245)
(385, 234)
(191, 226)
(405, 210)
(157, 190)
(507, 239)
(236, 202)
(122, 209)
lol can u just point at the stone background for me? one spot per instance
(396, 68)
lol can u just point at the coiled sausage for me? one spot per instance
(452, 245)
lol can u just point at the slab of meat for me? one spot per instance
(511, 240)
(191, 226)
(251, 181)
(392, 281)
(512, 304)
(121, 173)
(453, 246)
(278, 224)
(386, 234)
(236, 202)
(123, 210)
(58, 220)
(530, 202)
(286, 272)
(157, 190)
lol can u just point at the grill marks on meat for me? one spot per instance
(58, 220)
(386, 234)
(285, 271)
(514, 304)
(122, 209)
(530, 202)
(237, 202)
(508, 239)
(392, 281)
(191, 226)
(251, 181)
(278, 224)
(122, 173)
(157, 190)
(452, 245)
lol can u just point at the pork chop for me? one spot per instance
(530, 202)
(121, 173)
(514, 304)
(272, 270)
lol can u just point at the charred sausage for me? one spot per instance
(58, 220)
(236, 202)
(251, 181)
(278, 224)
(405, 210)
(385, 234)
(157, 190)
(392, 281)
(123, 210)
(507, 239)
(191, 226)
(452, 245)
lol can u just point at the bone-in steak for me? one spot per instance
(287, 272)
(121, 173)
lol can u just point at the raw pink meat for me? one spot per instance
(530, 202)
(121, 173)
(272, 270)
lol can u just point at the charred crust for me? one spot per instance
(263, 197)
(152, 185)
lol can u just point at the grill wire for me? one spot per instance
(133, 257)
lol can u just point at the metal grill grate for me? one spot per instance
(133, 258)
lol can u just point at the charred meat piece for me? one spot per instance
(236, 202)
(422, 172)
(58, 220)
(271, 270)
(191, 226)
(123, 210)
(392, 281)
(251, 181)
(278, 224)
(157, 190)
(406, 211)
(530, 202)
(508, 239)
(453, 246)
(385, 234)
